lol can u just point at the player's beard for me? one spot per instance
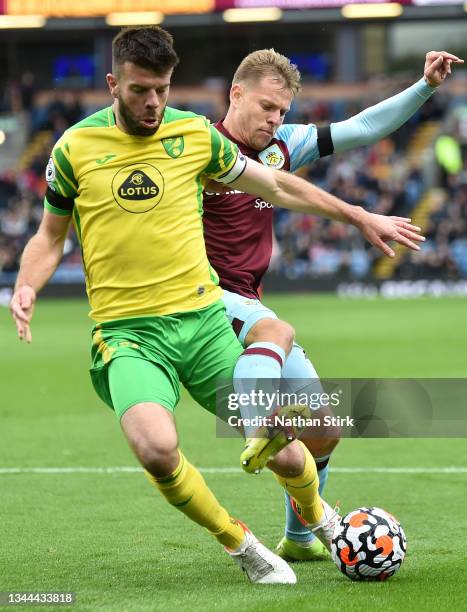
(132, 124)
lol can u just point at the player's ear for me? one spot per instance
(236, 93)
(112, 83)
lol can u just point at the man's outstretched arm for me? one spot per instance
(378, 121)
(39, 261)
(289, 191)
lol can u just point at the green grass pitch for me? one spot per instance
(109, 537)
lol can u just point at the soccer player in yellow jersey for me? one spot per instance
(131, 177)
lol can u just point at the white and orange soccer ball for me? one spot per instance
(368, 544)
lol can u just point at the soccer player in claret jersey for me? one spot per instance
(131, 178)
(238, 227)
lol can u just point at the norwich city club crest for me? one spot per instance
(173, 146)
(138, 188)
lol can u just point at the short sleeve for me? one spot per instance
(302, 143)
(226, 163)
(62, 187)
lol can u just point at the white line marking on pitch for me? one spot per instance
(230, 470)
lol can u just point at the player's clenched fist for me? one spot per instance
(21, 308)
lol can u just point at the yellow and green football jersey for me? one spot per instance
(136, 203)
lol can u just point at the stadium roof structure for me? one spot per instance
(96, 14)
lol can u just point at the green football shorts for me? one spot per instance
(144, 359)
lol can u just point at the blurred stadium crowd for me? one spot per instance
(390, 177)
(399, 175)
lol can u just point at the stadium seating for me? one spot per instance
(398, 175)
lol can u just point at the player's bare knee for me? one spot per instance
(289, 461)
(157, 453)
(272, 330)
(331, 438)
(159, 460)
(151, 433)
(322, 446)
(288, 334)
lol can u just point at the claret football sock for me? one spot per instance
(304, 489)
(186, 490)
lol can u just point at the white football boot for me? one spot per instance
(325, 528)
(260, 564)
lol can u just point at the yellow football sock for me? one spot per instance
(187, 490)
(304, 489)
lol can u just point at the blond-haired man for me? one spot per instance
(238, 227)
